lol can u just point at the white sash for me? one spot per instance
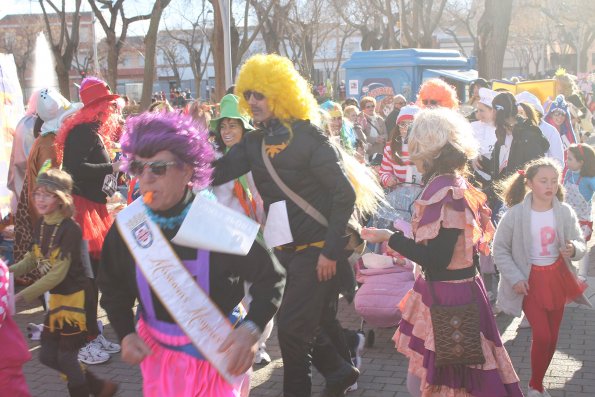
(182, 297)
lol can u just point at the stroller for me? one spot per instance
(379, 293)
(383, 285)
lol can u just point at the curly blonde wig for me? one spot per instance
(439, 91)
(433, 129)
(289, 95)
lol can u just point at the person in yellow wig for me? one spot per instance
(283, 109)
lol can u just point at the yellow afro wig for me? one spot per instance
(288, 94)
(440, 91)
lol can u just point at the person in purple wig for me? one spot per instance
(170, 154)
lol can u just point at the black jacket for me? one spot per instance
(87, 161)
(528, 143)
(310, 166)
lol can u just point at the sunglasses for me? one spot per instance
(157, 168)
(257, 95)
(432, 102)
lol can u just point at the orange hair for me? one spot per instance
(440, 91)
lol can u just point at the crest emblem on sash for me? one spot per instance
(142, 234)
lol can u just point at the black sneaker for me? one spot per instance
(338, 382)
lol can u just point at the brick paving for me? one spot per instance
(571, 374)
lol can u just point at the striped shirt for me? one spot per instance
(389, 168)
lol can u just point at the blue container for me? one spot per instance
(390, 72)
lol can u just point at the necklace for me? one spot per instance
(52, 237)
(168, 222)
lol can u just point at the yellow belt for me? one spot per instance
(296, 248)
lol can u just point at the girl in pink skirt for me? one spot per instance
(451, 226)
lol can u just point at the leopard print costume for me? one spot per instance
(23, 235)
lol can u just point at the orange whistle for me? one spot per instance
(148, 197)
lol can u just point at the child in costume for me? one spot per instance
(56, 254)
(451, 226)
(559, 116)
(536, 241)
(15, 352)
(579, 182)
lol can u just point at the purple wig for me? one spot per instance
(150, 133)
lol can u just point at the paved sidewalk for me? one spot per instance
(571, 374)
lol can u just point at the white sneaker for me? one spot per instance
(262, 357)
(34, 331)
(524, 323)
(359, 348)
(534, 393)
(353, 387)
(105, 345)
(545, 393)
(90, 354)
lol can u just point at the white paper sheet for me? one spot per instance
(214, 227)
(276, 230)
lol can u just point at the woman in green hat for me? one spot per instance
(240, 194)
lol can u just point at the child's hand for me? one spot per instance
(568, 251)
(521, 288)
(374, 235)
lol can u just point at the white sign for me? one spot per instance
(214, 227)
(277, 231)
(353, 87)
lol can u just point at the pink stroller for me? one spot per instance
(379, 293)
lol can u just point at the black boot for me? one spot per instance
(100, 387)
(338, 381)
(79, 391)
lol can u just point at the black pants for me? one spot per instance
(306, 323)
(91, 302)
(65, 361)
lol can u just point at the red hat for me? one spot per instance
(407, 113)
(94, 90)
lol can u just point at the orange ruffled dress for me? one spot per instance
(451, 202)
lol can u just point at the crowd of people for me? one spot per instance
(502, 209)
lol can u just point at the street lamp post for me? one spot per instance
(225, 7)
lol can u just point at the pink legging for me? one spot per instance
(545, 326)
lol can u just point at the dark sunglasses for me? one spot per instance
(257, 95)
(432, 102)
(157, 168)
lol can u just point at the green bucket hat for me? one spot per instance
(229, 107)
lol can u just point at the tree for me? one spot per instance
(575, 25)
(150, 50)
(113, 41)
(460, 18)
(195, 40)
(419, 21)
(171, 54)
(240, 43)
(492, 30)
(271, 16)
(63, 43)
(21, 44)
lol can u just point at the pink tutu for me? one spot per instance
(169, 373)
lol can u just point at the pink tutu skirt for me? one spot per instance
(169, 373)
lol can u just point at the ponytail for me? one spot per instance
(513, 189)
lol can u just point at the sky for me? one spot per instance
(134, 7)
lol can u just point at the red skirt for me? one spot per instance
(553, 286)
(94, 220)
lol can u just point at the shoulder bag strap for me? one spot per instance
(293, 196)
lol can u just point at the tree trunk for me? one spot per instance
(492, 31)
(112, 63)
(150, 50)
(63, 75)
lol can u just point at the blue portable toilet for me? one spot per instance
(389, 72)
